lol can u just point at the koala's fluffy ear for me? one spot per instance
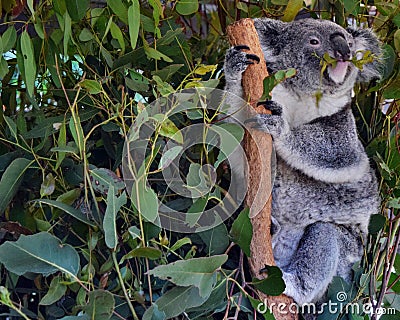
(366, 40)
(269, 32)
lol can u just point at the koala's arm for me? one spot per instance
(326, 149)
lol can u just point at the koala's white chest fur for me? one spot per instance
(300, 110)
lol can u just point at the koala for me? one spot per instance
(325, 190)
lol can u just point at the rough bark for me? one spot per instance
(258, 147)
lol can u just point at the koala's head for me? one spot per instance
(302, 44)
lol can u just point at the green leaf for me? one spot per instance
(392, 91)
(144, 252)
(100, 306)
(243, 7)
(199, 272)
(114, 204)
(145, 200)
(215, 239)
(242, 231)
(77, 214)
(230, 136)
(273, 284)
(102, 179)
(40, 253)
(85, 35)
(394, 203)
(169, 156)
(61, 142)
(12, 126)
(166, 73)
(186, 7)
(29, 62)
(376, 223)
(169, 129)
(196, 210)
(134, 232)
(179, 243)
(31, 7)
(292, 9)
(388, 59)
(134, 22)
(77, 8)
(77, 132)
(352, 6)
(119, 8)
(92, 86)
(117, 34)
(175, 301)
(67, 31)
(60, 6)
(396, 40)
(152, 53)
(11, 180)
(163, 87)
(9, 38)
(56, 291)
(48, 185)
(203, 69)
(396, 20)
(198, 181)
(3, 67)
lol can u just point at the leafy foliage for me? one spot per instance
(76, 76)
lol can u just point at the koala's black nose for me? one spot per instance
(340, 47)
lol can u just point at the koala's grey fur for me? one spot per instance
(325, 191)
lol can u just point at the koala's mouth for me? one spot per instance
(339, 72)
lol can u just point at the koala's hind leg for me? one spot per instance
(314, 263)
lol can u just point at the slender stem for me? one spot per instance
(23, 315)
(128, 300)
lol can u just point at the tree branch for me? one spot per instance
(258, 147)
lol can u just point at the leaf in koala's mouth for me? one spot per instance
(338, 73)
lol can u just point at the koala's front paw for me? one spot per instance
(272, 123)
(237, 61)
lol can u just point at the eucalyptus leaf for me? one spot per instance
(175, 301)
(77, 8)
(8, 39)
(199, 272)
(100, 306)
(273, 284)
(41, 253)
(56, 291)
(242, 231)
(77, 214)
(186, 7)
(292, 9)
(29, 62)
(92, 86)
(134, 22)
(11, 180)
(114, 204)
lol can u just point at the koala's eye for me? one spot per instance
(314, 42)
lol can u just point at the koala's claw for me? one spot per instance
(263, 270)
(253, 57)
(274, 107)
(237, 61)
(241, 47)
